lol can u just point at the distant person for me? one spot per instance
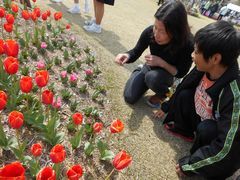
(26, 3)
(95, 24)
(213, 8)
(206, 7)
(223, 12)
(205, 108)
(76, 8)
(170, 44)
(160, 2)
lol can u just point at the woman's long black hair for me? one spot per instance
(173, 15)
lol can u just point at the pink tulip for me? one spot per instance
(43, 45)
(41, 65)
(72, 38)
(63, 74)
(73, 77)
(57, 102)
(88, 72)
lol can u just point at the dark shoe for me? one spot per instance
(178, 133)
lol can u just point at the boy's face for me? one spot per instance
(200, 62)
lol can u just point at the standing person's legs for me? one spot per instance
(94, 25)
(75, 9)
(86, 6)
(99, 11)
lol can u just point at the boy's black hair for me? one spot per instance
(173, 15)
(219, 37)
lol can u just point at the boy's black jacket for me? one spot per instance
(221, 158)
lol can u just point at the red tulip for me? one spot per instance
(3, 100)
(8, 27)
(77, 118)
(11, 47)
(11, 65)
(122, 160)
(68, 26)
(57, 15)
(15, 119)
(34, 1)
(75, 172)
(2, 12)
(33, 16)
(116, 126)
(47, 173)
(47, 97)
(36, 149)
(10, 18)
(37, 11)
(97, 127)
(13, 171)
(41, 78)
(48, 13)
(26, 15)
(58, 153)
(14, 8)
(26, 84)
(44, 16)
(2, 51)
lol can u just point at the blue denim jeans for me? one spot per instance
(142, 79)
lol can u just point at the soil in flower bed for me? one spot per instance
(74, 78)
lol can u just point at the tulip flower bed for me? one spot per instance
(55, 117)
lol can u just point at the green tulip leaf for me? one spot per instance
(88, 148)
(76, 140)
(107, 155)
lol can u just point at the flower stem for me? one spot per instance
(40, 93)
(20, 155)
(57, 169)
(109, 174)
(27, 99)
(109, 137)
(2, 28)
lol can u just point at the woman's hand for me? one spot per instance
(152, 60)
(159, 114)
(179, 171)
(122, 58)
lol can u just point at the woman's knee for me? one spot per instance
(151, 80)
(129, 98)
(155, 77)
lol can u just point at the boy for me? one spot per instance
(206, 105)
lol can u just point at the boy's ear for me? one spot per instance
(216, 58)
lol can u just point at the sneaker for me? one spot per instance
(57, 1)
(93, 28)
(74, 10)
(178, 133)
(89, 22)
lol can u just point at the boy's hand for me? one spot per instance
(179, 171)
(159, 114)
(121, 58)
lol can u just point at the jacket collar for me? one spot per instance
(229, 75)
